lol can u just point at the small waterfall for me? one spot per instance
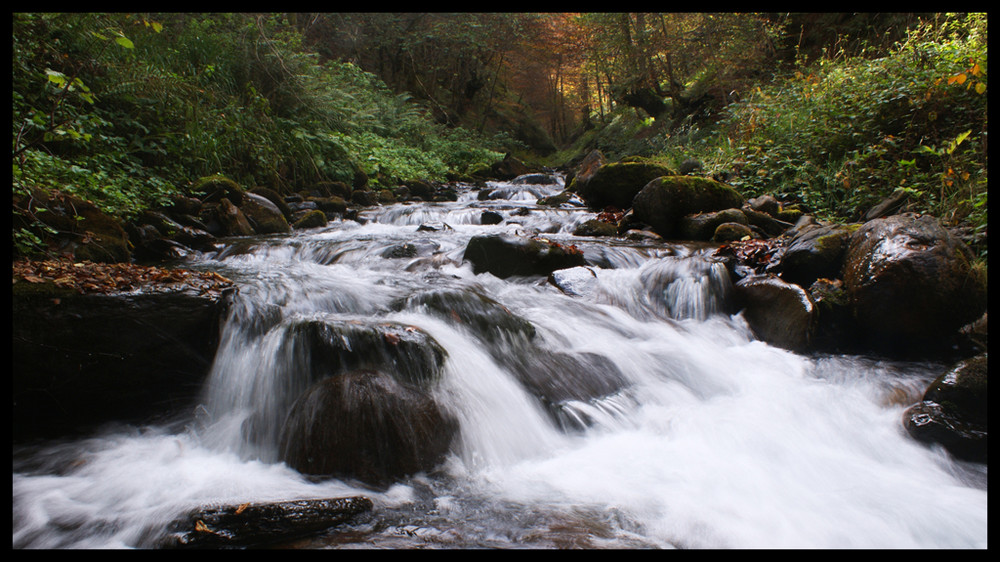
(632, 408)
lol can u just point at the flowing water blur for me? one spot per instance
(718, 441)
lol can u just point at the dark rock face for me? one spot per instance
(506, 256)
(953, 412)
(780, 313)
(84, 360)
(702, 226)
(484, 317)
(260, 524)
(367, 425)
(910, 283)
(664, 200)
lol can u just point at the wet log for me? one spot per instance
(256, 524)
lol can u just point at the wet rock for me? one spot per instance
(586, 170)
(82, 360)
(815, 251)
(331, 206)
(535, 179)
(765, 222)
(82, 229)
(328, 347)
(616, 184)
(953, 412)
(663, 201)
(765, 204)
(490, 217)
(836, 330)
(575, 281)
(364, 198)
(595, 227)
(506, 256)
(911, 285)
(366, 425)
(484, 317)
(260, 524)
(275, 199)
(263, 215)
(779, 313)
(561, 380)
(702, 226)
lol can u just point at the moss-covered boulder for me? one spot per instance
(276, 199)
(311, 219)
(911, 284)
(214, 188)
(663, 201)
(731, 232)
(616, 184)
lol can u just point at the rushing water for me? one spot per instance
(718, 441)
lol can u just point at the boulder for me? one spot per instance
(779, 313)
(508, 168)
(616, 184)
(663, 201)
(587, 168)
(329, 347)
(263, 215)
(595, 227)
(232, 220)
(953, 412)
(311, 219)
(365, 425)
(490, 217)
(277, 200)
(80, 360)
(911, 285)
(731, 231)
(702, 226)
(815, 251)
(506, 256)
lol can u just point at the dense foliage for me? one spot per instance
(126, 110)
(835, 111)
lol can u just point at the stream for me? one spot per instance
(717, 441)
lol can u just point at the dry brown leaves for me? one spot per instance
(89, 277)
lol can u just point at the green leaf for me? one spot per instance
(125, 42)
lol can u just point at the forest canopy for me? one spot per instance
(835, 110)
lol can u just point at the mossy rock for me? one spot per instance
(702, 226)
(217, 187)
(312, 219)
(264, 216)
(663, 201)
(616, 184)
(594, 227)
